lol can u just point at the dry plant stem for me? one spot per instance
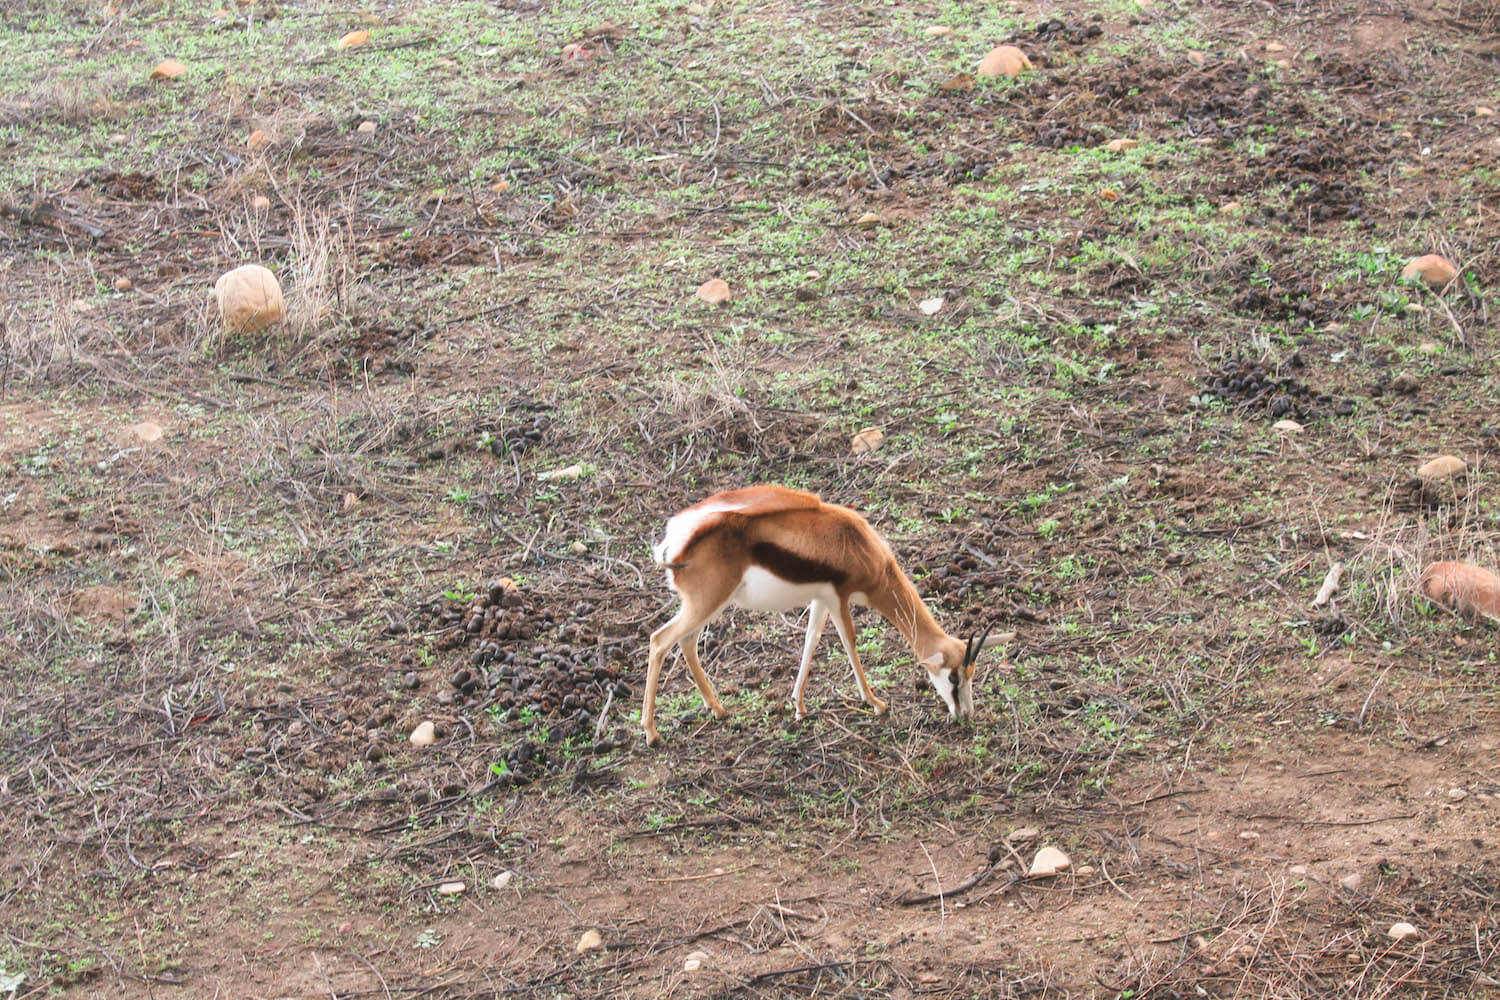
(1364, 709)
(937, 880)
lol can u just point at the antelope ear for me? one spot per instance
(998, 640)
(934, 663)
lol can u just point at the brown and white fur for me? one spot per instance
(770, 548)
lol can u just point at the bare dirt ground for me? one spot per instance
(216, 643)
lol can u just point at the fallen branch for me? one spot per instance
(973, 883)
(1330, 584)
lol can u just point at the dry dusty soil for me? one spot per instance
(238, 570)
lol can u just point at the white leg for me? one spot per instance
(817, 617)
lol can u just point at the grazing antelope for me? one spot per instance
(769, 548)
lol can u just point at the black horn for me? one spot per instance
(976, 645)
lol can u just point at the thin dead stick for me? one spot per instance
(1103, 868)
(1462, 339)
(696, 878)
(968, 886)
(1365, 708)
(1332, 822)
(938, 881)
(609, 699)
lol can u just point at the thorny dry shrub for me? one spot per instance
(65, 102)
(46, 332)
(335, 445)
(1278, 941)
(317, 277)
(1420, 523)
(693, 415)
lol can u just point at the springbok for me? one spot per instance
(770, 548)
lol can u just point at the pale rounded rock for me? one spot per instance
(366, 127)
(696, 961)
(1351, 881)
(249, 299)
(425, 735)
(937, 30)
(502, 880)
(1004, 60)
(868, 221)
(867, 440)
(146, 432)
(1024, 835)
(451, 888)
(1442, 467)
(1457, 794)
(168, 69)
(1048, 862)
(1121, 145)
(1435, 269)
(1466, 588)
(1286, 426)
(1401, 930)
(260, 203)
(714, 291)
(590, 940)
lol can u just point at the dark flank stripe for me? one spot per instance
(794, 568)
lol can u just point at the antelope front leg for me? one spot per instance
(845, 624)
(817, 617)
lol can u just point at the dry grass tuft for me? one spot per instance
(320, 274)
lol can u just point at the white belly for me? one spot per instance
(761, 590)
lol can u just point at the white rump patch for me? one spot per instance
(682, 527)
